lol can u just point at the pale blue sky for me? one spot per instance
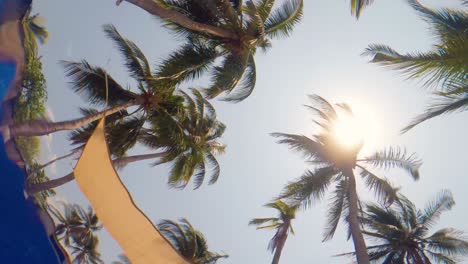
(322, 57)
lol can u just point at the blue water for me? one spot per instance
(23, 239)
(7, 73)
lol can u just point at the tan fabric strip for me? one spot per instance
(98, 180)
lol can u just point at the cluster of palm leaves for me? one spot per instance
(282, 224)
(335, 167)
(190, 242)
(221, 38)
(77, 228)
(401, 232)
(443, 67)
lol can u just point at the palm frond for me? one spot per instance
(440, 105)
(381, 187)
(434, 66)
(135, 61)
(310, 187)
(264, 8)
(261, 221)
(228, 75)
(91, 81)
(306, 146)
(320, 103)
(281, 22)
(358, 5)
(443, 202)
(440, 258)
(246, 85)
(447, 23)
(187, 63)
(448, 241)
(338, 204)
(395, 157)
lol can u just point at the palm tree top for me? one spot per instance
(333, 163)
(401, 232)
(444, 66)
(191, 141)
(250, 24)
(285, 213)
(323, 148)
(190, 242)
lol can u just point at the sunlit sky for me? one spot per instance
(321, 57)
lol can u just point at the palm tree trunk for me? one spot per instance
(59, 158)
(121, 162)
(281, 244)
(153, 8)
(358, 239)
(43, 127)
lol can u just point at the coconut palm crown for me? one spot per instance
(334, 164)
(282, 224)
(188, 141)
(444, 66)
(401, 233)
(189, 242)
(248, 25)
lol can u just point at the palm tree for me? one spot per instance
(86, 252)
(33, 31)
(235, 32)
(150, 97)
(445, 66)
(336, 164)
(190, 242)
(402, 234)
(282, 224)
(75, 225)
(188, 141)
(36, 175)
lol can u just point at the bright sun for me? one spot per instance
(348, 130)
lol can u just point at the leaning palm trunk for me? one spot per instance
(178, 18)
(43, 166)
(358, 239)
(281, 243)
(42, 127)
(121, 162)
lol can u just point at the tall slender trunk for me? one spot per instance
(59, 158)
(356, 233)
(43, 127)
(121, 162)
(281, 244)
(178, 18)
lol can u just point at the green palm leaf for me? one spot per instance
(135, 61)
(431, 213)
(187, 63)
(247, 83)
(436, 66)
(442, 104)
(338, 205)
(395, 157)
(381, 187)
(229, 74)
(91, 82)
(310, 187)
(358, 5)
(281, 21)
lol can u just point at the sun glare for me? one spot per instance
(348, 130)
(361, 127)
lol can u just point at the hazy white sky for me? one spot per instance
(322, 57)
